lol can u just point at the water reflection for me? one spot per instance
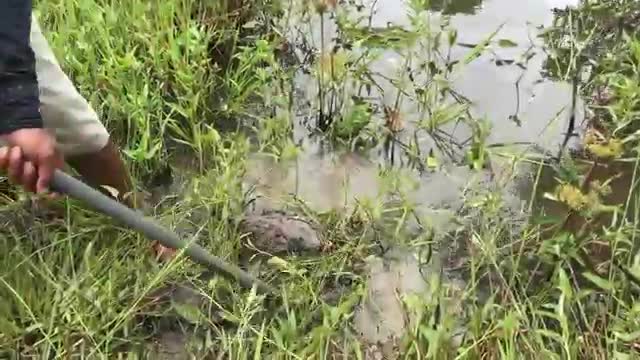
(451, 7)
(498, 93)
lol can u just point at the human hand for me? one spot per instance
(30, 158)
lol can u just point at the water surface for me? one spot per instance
(522, 106)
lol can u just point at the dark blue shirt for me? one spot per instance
(19, 98)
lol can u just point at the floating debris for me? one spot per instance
(393, 120)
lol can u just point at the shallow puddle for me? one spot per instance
(522, 106)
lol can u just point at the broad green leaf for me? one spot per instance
(432, 161)
(628, 337)
(478, 49)
(188, 312)
(600, 282)
(506, 43)
(279, 263)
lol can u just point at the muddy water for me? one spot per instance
(329, 180)
(542, 108)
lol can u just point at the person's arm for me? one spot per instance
(19, 97)
(30, 156)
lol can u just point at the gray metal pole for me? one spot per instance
(68, 185)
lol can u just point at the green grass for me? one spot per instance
(156, 74)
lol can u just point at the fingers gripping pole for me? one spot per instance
(68, 185)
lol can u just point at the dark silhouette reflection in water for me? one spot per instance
(452, 7)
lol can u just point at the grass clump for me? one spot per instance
(216, 81)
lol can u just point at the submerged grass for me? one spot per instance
(563, 288)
